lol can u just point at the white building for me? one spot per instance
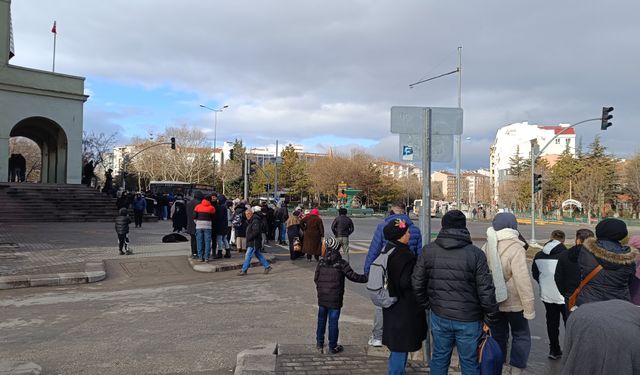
(517, 138)
(398, 170)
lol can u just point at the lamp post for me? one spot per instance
(215, 135)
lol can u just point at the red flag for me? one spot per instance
(53, 29)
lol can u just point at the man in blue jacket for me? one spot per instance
(378, 243)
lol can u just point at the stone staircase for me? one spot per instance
(50, 202)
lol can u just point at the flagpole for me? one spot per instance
(55, 35)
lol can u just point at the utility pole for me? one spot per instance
(246, 176)
(459, 136)
(275, 182)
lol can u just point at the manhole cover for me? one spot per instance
(150, 268)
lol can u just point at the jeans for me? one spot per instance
(251, 251)
(165, 212)
(464, 335)
(282, 232)
(376, 333)
(398, 363)
(223, 243)
(345, 245)
(521, 343)
(554, 311)
(203, 237)
(334, 316)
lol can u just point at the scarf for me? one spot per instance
(493, 258)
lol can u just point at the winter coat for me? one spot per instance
(515, 273)
(122, 221)
(567, 276)
(255, 228)
(378, 242)
(313, 232)
(191, 224)
(544, 269)
(241, 231)
(452, 277)
(329, 278)
(282, 215)
(404, 322)
(139, 204)
(203, 214)
(293, 227)
(613, 281)
(179, 214)
(342, 226)
(220, 218)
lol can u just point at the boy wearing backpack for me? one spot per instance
(122, 230)
(329, 278)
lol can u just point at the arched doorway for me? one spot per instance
(52, 140)
(31, 155)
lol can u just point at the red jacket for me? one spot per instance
(203, 214)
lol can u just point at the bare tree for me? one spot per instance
(96, 146)
(31, 152)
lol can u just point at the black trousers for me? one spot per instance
(137, 217)
(553, 313)
(194, 245)
(122, 238)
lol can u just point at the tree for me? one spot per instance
(231, 172)
(596, 177)
(631, 181)
(96, 146)
(517, 164)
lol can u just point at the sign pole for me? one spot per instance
(425, 210)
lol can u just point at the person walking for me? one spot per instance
(329, 278)
(179, 214)
(452, 278)
(122, 230)
(404, 322)
(203, 215)
(378, 243)
(139, 207)
(567, 275)
(294, 233)
(255, 228)
(507, 260)
(108, 181)
(543, 270)
(342, 227)
(313, 229)
(239, 223)
(191, 222)
(281, 217)
(617, 263)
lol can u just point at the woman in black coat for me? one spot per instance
(404, 322)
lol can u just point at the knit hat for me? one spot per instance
(504, 220)
(314, 211)
(611, 229)
(454, 219)
(331, 243)
(342, 211)
(395, 229)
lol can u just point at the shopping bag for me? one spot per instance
(490, 355)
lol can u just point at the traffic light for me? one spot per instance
(173, 143)
(267, 187)
(606, 116)
(537, 182)
(231, 154)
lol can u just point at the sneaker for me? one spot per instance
(554, 355)
(121, 252)
(129, 252)
(267, 270)
(320, 348)
(242, 273)
(336, 350)
(375, 343)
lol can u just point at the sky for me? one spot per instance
(326, 73)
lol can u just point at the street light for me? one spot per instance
(215, 135)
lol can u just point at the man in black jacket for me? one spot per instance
(281, 217)
(342, 228)
(452, 278)
(255, 228)
(122, 230)
(567, 274)
(191, 224)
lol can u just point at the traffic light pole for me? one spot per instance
(534, 156)
(128, 159)
(246, 176)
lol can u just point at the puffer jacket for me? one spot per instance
(544, 268)
(452, 277)
(342, 226)
(378, 242)
(618, 270)
(567, 275)
(122, 221)
(139, 204)
(203, 214)
(329, 278)
(255, 227)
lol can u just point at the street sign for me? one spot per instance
(446, 121)
(408, 120)
(442, 148)
(407, 152)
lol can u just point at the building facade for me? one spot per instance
(398, 170)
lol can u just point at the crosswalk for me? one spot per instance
(359, 246)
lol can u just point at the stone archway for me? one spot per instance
(52, 140)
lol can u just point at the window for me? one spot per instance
(557, 141)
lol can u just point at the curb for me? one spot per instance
(93, 272)
(19, 368)
(259, 360)
(221, 265)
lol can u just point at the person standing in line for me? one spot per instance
(255, 228)
(567, 275)
(329, 278)
(375, 248)
(230, 231)
(294, 234)
(221, 227)
(404, 322)
(191, 222)
(122, 230)
(507, 260)
(543, 270)
(139, 207)
(452, 278)
(239, 223)
(281, 217)
(203, 215)
(313, 229)
(179, 214)
(342, 227)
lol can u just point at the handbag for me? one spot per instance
(297, 245)
(490, 357)
(574, 296)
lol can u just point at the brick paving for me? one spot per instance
(338, 364)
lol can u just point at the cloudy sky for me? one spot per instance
(325, 73)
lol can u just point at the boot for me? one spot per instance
(219, 254)
(227, 253)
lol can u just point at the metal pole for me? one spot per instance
(275, 178)
(215, 135)
(55, 36)
(459, 136)
(425, 210)
(533, 199)
(246, 176)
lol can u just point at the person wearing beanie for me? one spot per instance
(329, 278)
(405, 322)
(255, 228)
(452, 278)
(617, 260)
(507, 260)
(567, 275)
(342, 227)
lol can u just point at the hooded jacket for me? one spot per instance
(378, 242)
(220, 219)
(618, 269)
(140, 204)
(567, 275)
(255, 228)
(241, 231)
(203, 214)
(452, 277)
(329, 278)
(122, 221)
(544, 269)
